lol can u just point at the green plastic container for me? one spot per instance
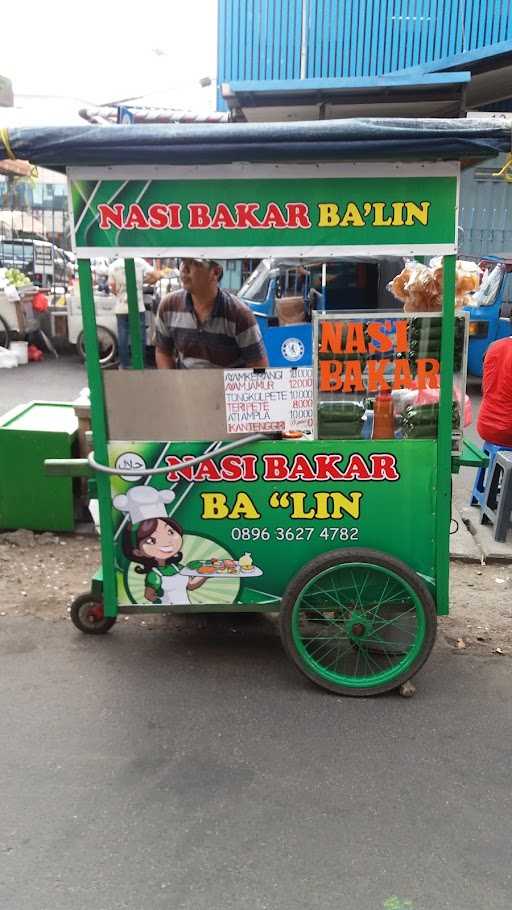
(28, 498)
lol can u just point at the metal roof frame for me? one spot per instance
(490, 71)
(441, 94)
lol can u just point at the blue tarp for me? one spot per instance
(341, 140)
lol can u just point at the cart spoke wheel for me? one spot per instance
(358, 622)
(88, 616)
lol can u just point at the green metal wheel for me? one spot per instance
(358, 622)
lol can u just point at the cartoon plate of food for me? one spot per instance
(223, 568)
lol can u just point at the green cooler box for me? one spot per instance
(28, 498)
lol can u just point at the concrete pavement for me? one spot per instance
(194, 769)
(50, 380)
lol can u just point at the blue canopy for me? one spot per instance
(340, 140)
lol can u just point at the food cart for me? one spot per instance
(323, 493)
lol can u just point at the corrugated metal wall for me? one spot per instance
(485, 214)
(371, 37)
(261, 39)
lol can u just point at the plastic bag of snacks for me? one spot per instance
(489, 286)
(468, 276)
(420, 287)
(416, 287)
(431, 396)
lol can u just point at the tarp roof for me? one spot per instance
(341, 140)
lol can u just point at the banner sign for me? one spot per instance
(226, 217)
(381, 377)
(43, 260)
(213, 533)
(376, 356)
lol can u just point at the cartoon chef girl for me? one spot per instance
(154, 541)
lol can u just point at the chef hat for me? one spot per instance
(142, 503)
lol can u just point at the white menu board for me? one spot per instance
(266, 401)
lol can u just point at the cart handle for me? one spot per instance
(148, 472)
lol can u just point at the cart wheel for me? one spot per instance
(107, 343)
(87, 615)
(4, 333)
(358, 622)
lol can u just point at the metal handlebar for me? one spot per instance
(148, 472)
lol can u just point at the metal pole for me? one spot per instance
(444, 438)
(136, 340)
(304, 41)
(99, 435)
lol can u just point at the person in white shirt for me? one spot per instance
(144, 274)
(100, 274)
(168, 282)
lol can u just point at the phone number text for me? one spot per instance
(300, 533)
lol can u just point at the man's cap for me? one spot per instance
(203, 260)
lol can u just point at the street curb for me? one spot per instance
(492, 550)
(463, 546)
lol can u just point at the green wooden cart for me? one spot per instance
(240, 491)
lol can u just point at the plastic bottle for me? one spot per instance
(383, 417)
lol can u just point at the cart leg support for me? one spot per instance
(444, 442)
(99, 431)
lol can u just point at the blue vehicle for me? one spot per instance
(489, 319)
(283, 292)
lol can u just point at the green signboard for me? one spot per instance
(209, 534)
(302, 215)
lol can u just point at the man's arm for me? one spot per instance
(111, 281)
(164, 360)
(250, 341)
(152, 277)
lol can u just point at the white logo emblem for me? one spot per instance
(292, 349)
(130, 461)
